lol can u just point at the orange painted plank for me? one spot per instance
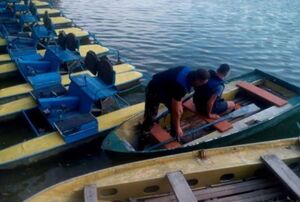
(162, 135)
(262, 93)
(221, 126)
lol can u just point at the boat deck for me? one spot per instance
(255, 189)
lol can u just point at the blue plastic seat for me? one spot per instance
(40, 72)
(45, 79)
(28, 19)
(41, 32)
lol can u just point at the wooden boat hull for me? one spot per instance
(123, 139)
(203, 168)
(52, 143)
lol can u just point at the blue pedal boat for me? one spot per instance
(64, 121)
(10, 10)
(70, 114)
(44, 71)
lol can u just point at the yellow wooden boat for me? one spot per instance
(8, 67)
(217, 174)
(124, 79)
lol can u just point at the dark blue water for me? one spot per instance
(158, 34)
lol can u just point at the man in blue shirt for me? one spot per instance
(208, 98)
(169, 87)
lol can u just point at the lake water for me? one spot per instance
(157, 34)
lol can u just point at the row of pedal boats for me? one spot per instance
(68, 77)
(73, 111)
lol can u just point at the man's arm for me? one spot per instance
(210, 105)
(176, 115)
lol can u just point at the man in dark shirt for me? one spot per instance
(208, 98)
(169, 87)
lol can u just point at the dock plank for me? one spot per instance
(180, 187)
(222, 190)
(284, 173)
(90, 193)
(258, 195)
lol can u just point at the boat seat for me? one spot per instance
(105, 71)
(221, 126)
(73, 123)
(50, 91)
(45, 79)
(162, 135)
(265, 95)
(90, 61)
(61, 40)
(44, 31)
(72, 43)
(27, 18)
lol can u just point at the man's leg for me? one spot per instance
(151, 109)
(222, 107)
(168, 103)
(230, 106)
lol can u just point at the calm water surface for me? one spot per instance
(158, 34)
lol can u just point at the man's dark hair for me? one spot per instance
(199, 74)
(223, 69)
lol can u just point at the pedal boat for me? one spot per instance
(18, 98)
(21, 47)
(39, 30)
(65, 121)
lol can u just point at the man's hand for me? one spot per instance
(213, 116)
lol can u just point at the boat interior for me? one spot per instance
(265, 188)
(267, 95)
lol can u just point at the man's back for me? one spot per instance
(167, 83)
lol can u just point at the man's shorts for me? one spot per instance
(220, 107)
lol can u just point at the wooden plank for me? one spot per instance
(262, 93)
(180, 187)
(284, 173)
(162, 135)
(258, 195)
(232, 189)
(222, 126)
(90, 193)
(221, 190)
